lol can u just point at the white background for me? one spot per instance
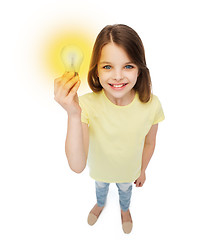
(41, 198)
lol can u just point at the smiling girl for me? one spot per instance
(113, 128)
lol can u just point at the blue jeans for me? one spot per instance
(124, 189)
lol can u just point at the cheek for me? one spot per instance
(103, 75)
(133, 76)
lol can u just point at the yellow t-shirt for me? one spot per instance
(117, 134)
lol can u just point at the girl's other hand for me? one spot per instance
(65, 93)
(140, 181)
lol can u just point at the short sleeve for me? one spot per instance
(84, 113)
(159, 114)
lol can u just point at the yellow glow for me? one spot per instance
(77, 36)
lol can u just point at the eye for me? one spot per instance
(129, 67)
(107, 67)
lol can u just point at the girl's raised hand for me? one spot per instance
(65, 93)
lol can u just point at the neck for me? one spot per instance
(125, 100)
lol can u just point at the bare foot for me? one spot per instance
(96, 210)
(126, 216)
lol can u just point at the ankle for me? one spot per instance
(125, 212)
(99, 206)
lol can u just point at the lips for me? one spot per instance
(118, 85)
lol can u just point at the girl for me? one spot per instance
(117, 122)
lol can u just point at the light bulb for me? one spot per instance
(72, 57)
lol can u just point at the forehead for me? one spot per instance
(112, 52)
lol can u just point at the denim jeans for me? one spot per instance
(124, 189)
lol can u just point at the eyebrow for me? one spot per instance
(111, 63)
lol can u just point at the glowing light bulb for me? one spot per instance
(72, 58)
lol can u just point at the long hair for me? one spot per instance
(130, 41)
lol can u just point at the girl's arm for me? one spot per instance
(76, 145)
(148, 151)
(149, 146)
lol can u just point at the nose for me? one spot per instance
(118, 75)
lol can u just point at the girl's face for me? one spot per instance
(117, 74)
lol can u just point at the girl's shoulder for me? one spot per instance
(152, 104)
(153, 100)
(90, 97)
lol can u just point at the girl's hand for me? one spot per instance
(140, 181)
(65, 93)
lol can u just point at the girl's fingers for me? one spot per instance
(73, 92)
(66, 88)
(64, 78)
(67, 76)
(75, 88)
(61, 81)
(138, 183)
(57, 84)
(71, 84)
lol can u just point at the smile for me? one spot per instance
(118, 86)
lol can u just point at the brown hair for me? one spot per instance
(129, 40)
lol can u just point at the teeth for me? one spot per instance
(117, 86)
